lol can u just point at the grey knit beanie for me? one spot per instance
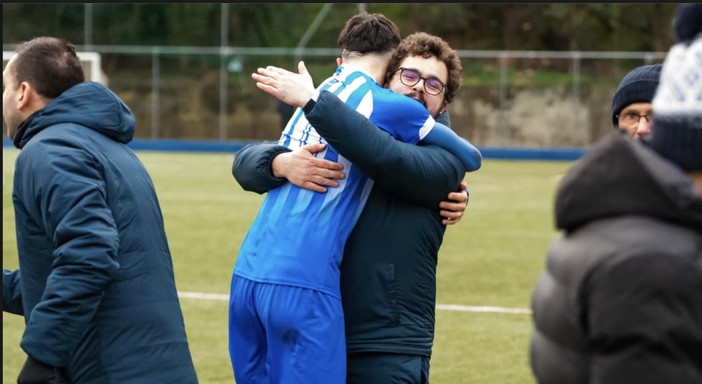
(677, 106)
(638, 86)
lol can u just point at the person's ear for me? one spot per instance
(338, 61)
(25, 95)
(444, 105)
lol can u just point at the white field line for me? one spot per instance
(472, 308)
(441, 307)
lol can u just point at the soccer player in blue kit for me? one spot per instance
(286, 319)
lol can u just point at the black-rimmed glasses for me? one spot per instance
(631, 118)
(411, 77)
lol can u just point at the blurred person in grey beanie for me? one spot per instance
(620, 297)
(631, 104)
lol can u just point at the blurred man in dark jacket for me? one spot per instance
(95, 284)
(620, 300)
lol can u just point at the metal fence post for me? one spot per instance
(576, 134)
(224, 34)
(155, 89)
(502, 126)
(88, 26)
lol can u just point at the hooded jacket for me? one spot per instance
(620, 299)
(95, 284)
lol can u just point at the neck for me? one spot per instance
(374, 65)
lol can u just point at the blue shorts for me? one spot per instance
(285, 335)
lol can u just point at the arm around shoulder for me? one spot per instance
(425, 174)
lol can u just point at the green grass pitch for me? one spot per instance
(490, 259)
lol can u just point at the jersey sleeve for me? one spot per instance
(444, 137)
(409, 121)
(402, 117)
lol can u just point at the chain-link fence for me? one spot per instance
(519, 99)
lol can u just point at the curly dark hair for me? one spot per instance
(426, 45)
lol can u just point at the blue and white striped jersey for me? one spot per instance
(298, 236)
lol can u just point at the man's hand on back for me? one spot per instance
(305, 170)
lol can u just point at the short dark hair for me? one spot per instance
(50, 64)
(369, 32)
(425, 45)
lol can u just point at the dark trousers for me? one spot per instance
(386, 368)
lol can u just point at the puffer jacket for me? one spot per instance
(620, 299)
(95, 284)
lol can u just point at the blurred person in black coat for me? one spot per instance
(620, 299)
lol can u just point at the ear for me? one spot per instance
(25, 95)
(444, 105)
(338, 61)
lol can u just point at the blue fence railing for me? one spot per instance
(564, 154)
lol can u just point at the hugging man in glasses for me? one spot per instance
(632, 112)
(388, 273)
